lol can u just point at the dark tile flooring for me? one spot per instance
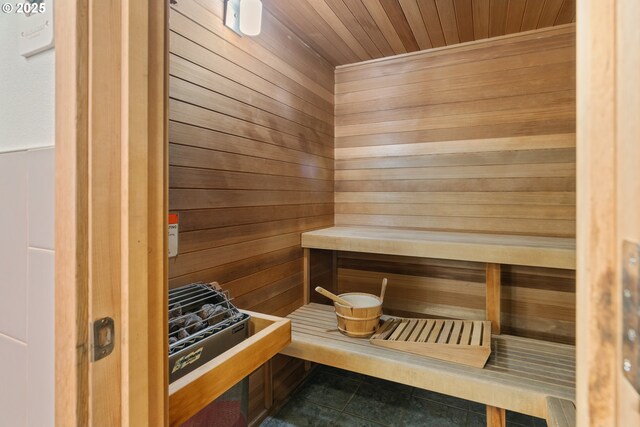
(333, 397)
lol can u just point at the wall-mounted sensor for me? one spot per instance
(36, 28)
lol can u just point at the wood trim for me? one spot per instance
(608, 194)
(111, 211)
(596, 302)
(471, 44)
(493, 297)
(628, 175)
(135, 212)
(158, 199)
(71, 264)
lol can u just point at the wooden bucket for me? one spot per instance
(361, 320)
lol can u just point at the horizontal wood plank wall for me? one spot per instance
(536, 302)
(475, 138)
(251, 162)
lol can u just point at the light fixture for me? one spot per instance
(250, 17)
(243, 16)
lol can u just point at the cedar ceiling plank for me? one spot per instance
(480, 19)
(464, 16)
(549, 13)
(431, 19)
(531, 15)
(412, 13)
(447, 14)
(515, 14)
(498, 17)
(567, 12)
(292, 19)
(362, 15)
(350, 31)
(350, 21)
(330, 17)
(400, 23)
(379, 15)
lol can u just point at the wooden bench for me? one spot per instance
(521, 374)
(535, 251)
(492, 249)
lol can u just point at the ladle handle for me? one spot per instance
(384, 288)
(332, 296)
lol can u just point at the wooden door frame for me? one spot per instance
(110, 214)
(608, 202)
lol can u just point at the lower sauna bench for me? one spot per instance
(522, 375)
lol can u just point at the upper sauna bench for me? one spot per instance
(535, 251)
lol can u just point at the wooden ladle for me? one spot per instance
(332, 296)
(384, 288)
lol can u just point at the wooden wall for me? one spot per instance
(250, 162)
(476, 138)
(536, 302)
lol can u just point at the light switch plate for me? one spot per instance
(36, 28)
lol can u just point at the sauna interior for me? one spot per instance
(429, 142)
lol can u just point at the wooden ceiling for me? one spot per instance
(348, 31)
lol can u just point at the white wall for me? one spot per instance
(26, 240)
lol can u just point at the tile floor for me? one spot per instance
(333, 397)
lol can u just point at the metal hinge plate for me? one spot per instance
(631, 313)
(103, 338)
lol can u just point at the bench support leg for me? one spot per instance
(268, 385)
(493, 296)
(306, 280)
(334, 271)
(496, 417)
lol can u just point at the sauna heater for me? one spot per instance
(203, 323)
